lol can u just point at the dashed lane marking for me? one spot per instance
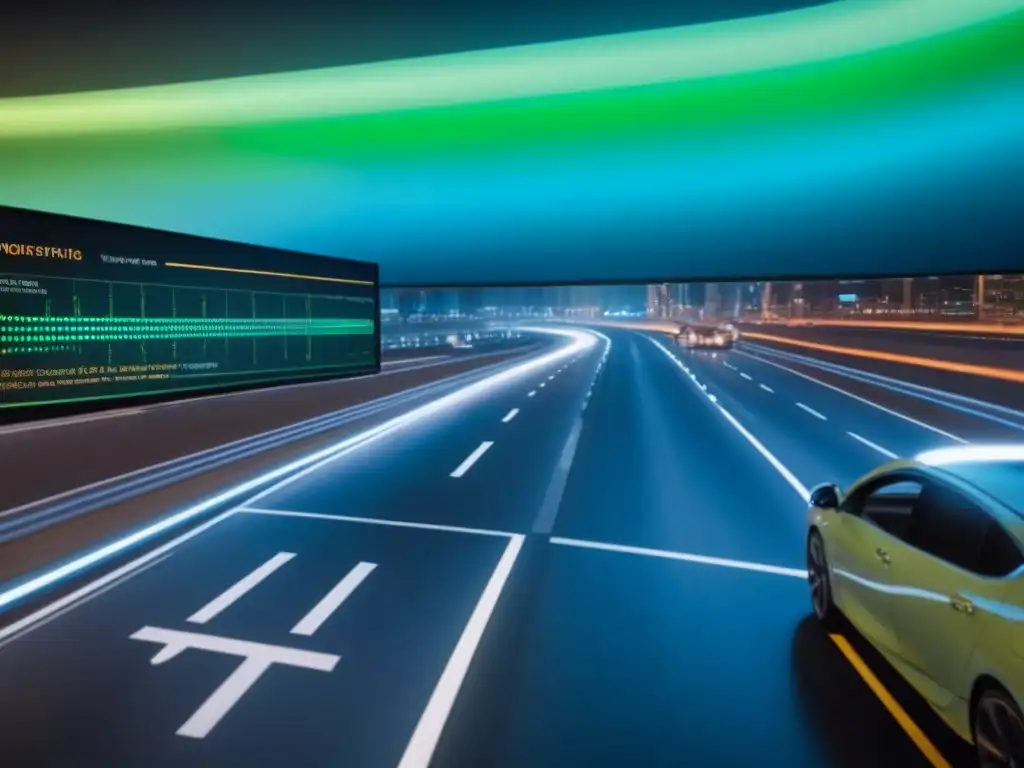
(239, 589)
(858, 398)
(874, 446)
(545, 521)
(330, 602)
(472, 459)
(510, 415)
(781, 468)
(811, 411)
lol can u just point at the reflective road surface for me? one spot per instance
(597, 561)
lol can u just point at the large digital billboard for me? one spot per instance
(92, 311)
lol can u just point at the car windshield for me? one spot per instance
(1000, 479)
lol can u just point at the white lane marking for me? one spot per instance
(278, 478)
(259, 657)
(858, 398)
(746, 376)
(87, 598)
(385, 402)
(542, 384)
(684, 556)
(472, 459)
(531, 393)
(239, 588)
(766, 388)
(314, 463)
(74, 599)
(322, 611)
(875, 446)
(811, 411)
(510, 415)
(551, 378)
(424, 739)
(781, 468)
(545, 521)
(376, 521)
(951, 400)
(730, 366)
(70, 421)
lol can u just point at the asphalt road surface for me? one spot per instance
(595, 562)
(966, 347)
(188, 426)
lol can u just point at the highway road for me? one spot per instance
(188, 426)
(875, 348)
(594, 558)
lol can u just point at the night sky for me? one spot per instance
(53, 47)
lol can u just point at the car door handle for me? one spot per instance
(962, 605)
(883, 556)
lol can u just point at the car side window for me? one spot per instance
(951, 527)
(1000, 555)
(887, 503)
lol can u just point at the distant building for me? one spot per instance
(712, 300)
(659, 304)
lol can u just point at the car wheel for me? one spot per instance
(818, 578)
(997, 727)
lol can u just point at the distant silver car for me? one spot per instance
(708, 336)
(926, 559)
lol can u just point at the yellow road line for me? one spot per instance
(909, 727)
(207, 267)
(1006, 374)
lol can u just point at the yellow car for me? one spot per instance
(925, 558)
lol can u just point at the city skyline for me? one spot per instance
(1003, 295)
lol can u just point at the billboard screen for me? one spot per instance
(91, 311)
